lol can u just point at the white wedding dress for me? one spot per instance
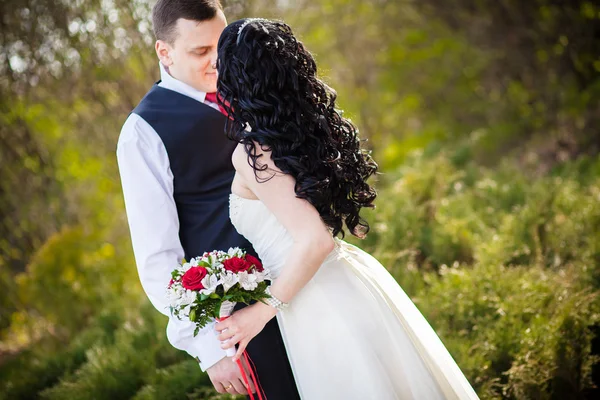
(352, 332)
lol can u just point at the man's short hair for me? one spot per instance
(165, 14)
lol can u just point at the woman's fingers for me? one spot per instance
(220, 326)
(226, 334)
(230, 342)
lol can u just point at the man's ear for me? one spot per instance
(163, 50)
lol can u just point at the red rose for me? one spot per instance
(254, 261)
(192, 278)
(236, 265)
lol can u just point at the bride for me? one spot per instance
(301, 180)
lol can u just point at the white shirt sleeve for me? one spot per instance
(147, 183)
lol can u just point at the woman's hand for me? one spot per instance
(243, 325)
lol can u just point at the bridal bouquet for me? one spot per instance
(207, 287)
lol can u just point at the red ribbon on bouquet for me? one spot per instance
(246, 357)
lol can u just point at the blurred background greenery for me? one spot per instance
(482, 115)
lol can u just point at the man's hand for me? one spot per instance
(226, 377)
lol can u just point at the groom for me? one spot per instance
(176, 171)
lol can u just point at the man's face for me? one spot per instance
(191, 58)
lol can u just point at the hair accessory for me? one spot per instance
(248, 21)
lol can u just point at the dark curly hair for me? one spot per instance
(268, 81)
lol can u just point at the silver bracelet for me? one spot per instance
(274, 301)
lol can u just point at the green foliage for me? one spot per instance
(116, 356)
(521, 332)
(443, 213)
(483, 117)
(508, 268)
(72, 275)
(175, 382)
(42, 365)
(109, 371)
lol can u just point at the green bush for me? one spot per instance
(49, 360)
(515, 331)
(503, 264)
(72, 276)
(175, 382)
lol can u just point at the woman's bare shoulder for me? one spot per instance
(242, 162)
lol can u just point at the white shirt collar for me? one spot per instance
(168, 82)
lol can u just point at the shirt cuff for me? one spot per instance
(206, 349)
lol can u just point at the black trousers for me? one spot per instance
(273, 369)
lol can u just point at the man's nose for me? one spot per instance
(213, 60)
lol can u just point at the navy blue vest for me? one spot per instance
(200, 159)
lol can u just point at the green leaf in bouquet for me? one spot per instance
(196, 330)
(214, 296)
(203, 296)
(262, 300)
(193, 315)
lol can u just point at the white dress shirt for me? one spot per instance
(147, 183)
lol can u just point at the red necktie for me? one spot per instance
(212, 97)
